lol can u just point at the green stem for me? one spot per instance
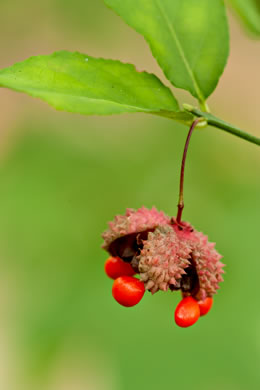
(222, 125)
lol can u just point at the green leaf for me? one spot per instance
(189, 38)
(249, 12)
(78, 83)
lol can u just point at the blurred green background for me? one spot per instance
(63, 176)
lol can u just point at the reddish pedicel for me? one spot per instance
(115, 267)
(128, 291)
(205, 305)
(187, 312)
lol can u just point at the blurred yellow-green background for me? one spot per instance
(63, 176)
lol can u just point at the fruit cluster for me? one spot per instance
(128, 291)
(167, 255)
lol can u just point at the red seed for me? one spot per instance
(205, 305)
(187, 312)
(115, 267)
(128, 291)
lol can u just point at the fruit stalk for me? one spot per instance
(181, 199)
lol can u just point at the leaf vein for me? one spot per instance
(181, 52)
